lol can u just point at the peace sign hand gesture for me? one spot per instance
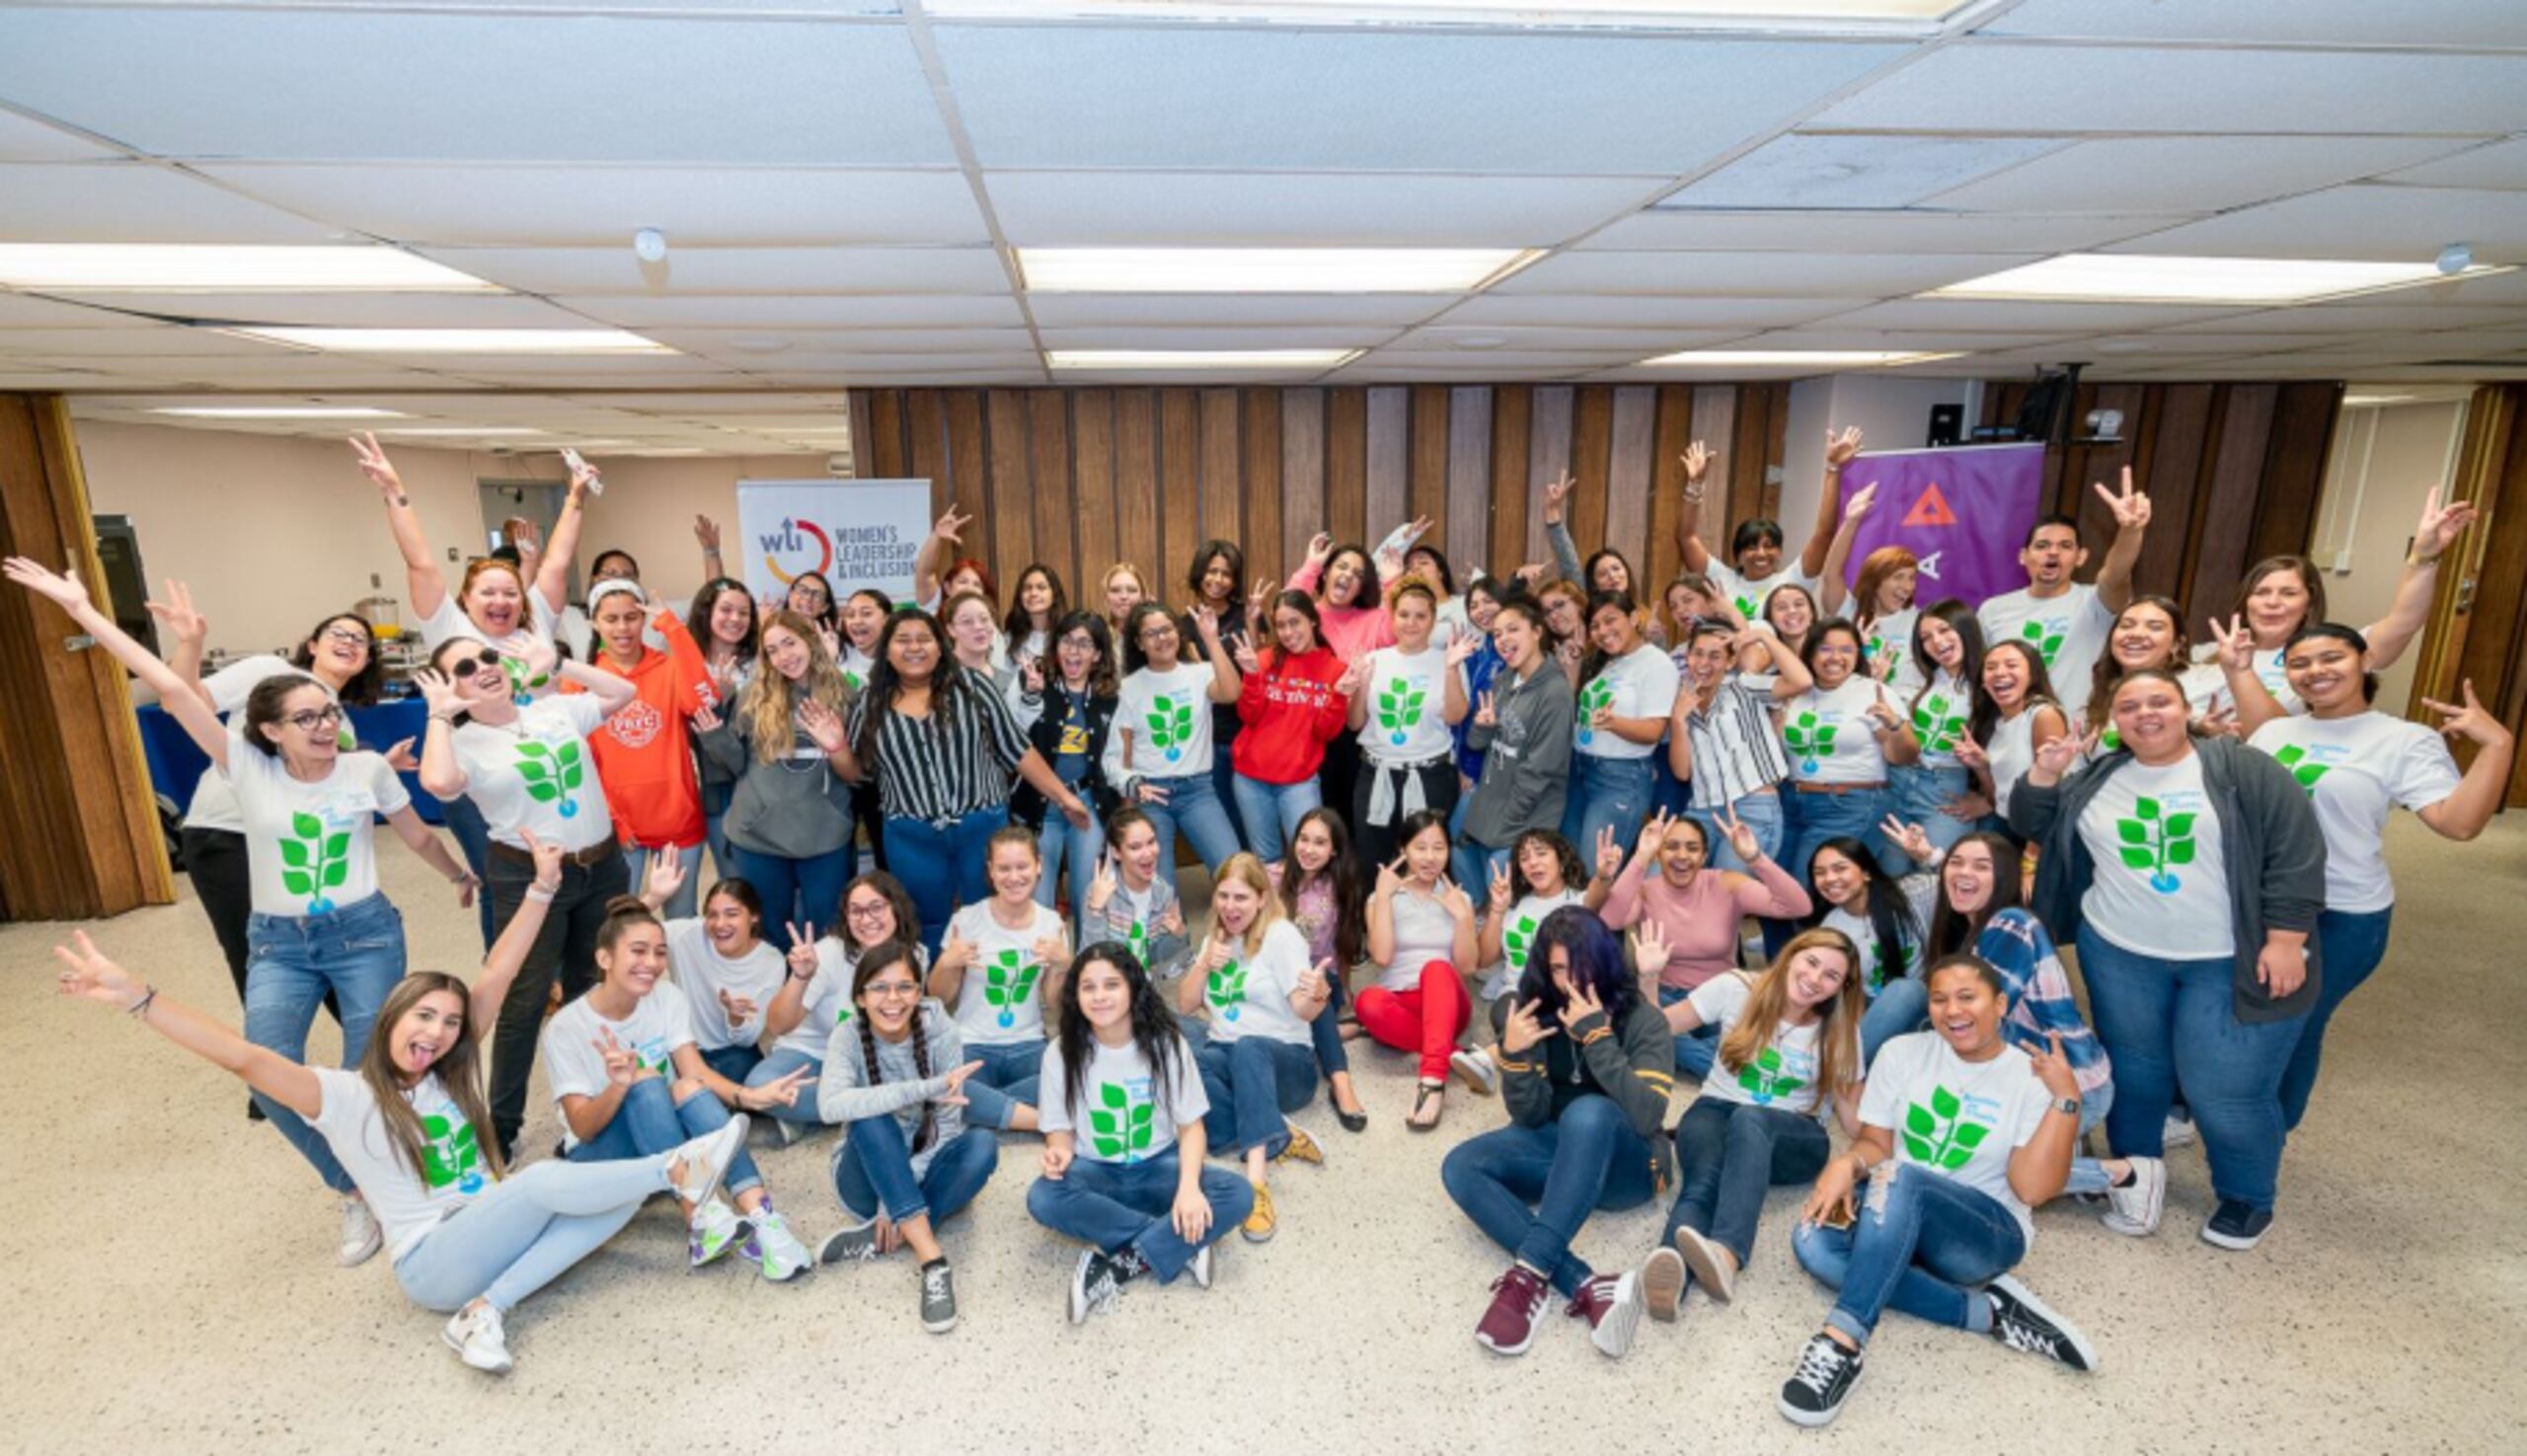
(2055, 757)
(1609, 857)
(1884, 713)
(622, 1067)
(1912, 839)
(951, 527)
(380, 470)
(2470, 722)
(1557, 492)
(802, 951)
(1741, 836)
(1390, 879)
(2235, 643)
(1103, 885)
(780, 1091)
(1484, 713)
(2440, 527)
(1654, 833)
(2131, 508)
(1459, 905)
(739, 1009)
(189, 627)
(93, 976)
(2053, 1069)
(1499, 889)
(1354, 675)
(953, 1094)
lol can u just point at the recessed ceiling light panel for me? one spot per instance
(1903, 17)
(2140, 278)
(1779, 358)
(460, 340)
(1263, 269)
(174, 268)
(1263, 360)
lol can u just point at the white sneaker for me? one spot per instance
(714, 1230)
(786, 1131)
(1476, 1070)
(2177, 1134)
(705, 1161)
(2134, 1212)
(1200, 1267)
(1713, 1267)
(361, 1237)
(477, 1340)
(783, 1257)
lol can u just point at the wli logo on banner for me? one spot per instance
(858, 533)
(791, 544)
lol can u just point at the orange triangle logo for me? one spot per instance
(1932, 510)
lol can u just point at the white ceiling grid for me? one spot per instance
(844, 184)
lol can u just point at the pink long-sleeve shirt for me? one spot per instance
(1700, 921)
(1351, 632)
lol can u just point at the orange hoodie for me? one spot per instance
(645, 751)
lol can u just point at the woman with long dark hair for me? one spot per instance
(1291, 702)
(1068, 702)
(723, 620)
(1160, 752)
(1936, 790)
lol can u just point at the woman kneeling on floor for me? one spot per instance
(894, 1076)
(412, 1129)
(1586, 1068)
(629, 1082)
(1960, 1134)
(1258, 1059)
(1123, 1140)
(1788, 1041)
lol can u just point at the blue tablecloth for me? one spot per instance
(177, 763)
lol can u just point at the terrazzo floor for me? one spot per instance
(173, 1279)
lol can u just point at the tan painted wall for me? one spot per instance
(2385, 458)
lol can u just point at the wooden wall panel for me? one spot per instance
(1390, 461)
(1302, 473)
(1223, 516)
(1547, 455)
(969, 467)
(1136, 484)
(1094, 478)
(1675, 430)
(1632, 458)
(1050, 488)
(1010, 523)
(1512, 422)
(1592, 428)
(1262, 486)
(1180, 475)
(1427, 494)
(1468, 515)
(1347, 465)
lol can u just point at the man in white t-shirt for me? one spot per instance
(2068, 621)
(1756, 566)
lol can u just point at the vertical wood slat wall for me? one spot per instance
(1083, 478)
(2479, 617)
(2231, 471)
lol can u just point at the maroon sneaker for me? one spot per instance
(1509, 1326)
(1612, 1306)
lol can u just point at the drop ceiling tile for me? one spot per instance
(2338, 318)
(732, 270)
(1975, 315)
(343, 310)
(2019, 88)
(1448, 374)
(685, 312)
(134, 202)
(952, 379)
(1522, 339)
(879, 340)
(1765, 274)
(27, 311)
(1614, 311)
(1908, 231)
(54, 379)
(1324, 336)
(815, 361)
(1325, 210)
(2187, 174)
(157, 340)
(2468, 24)
(1224, 310)
(462, 87)
(25, 139)
(668, 403)
(600, 207)
(1908, 341)
(2362, 221)
(1545, 362)
(1248, 97)
(1849, 171)
(279, 372)
(2502, 166)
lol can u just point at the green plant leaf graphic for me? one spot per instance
(1944, 1103)
(1970, 1134)
(1102, 1122)
(2139, 859)
(2145, 808)
(1918, 1121)
(297, 881)
(2180, 852)
(338, 845)
(1112, 1094)
(1915, 1148)
(1956, 1158)
(337, 873)
(2179, 826)
(534, 749)
(532, 772)
(294, 853)
(305, 826)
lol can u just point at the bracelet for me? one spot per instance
(140, 1009)
(542, 896)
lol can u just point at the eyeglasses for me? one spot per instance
(345, 636)
(890, 989)
(811, 593)
(867, 912)
(1157, 630)
(315, 719)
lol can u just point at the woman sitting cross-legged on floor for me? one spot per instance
(816, 996)
(1960, 1134)
(1421, 937)
(894, 1076)
(1585, 1067)
(412, 1128)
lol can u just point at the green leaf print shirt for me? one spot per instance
(537, 773)
(1125, 1116)
(1001, 1000)
(1784, 1076)
(1959, 1120)
(310, 847)
(2159, 884)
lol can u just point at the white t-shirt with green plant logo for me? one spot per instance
(2159, 886)
(574, 1065)
(2270, 669)
(1878, 962)
(1748, 593)
(214, 804)
(1889, 651)
(1641, 683)
(855, 667)
(524, 683)
(825, 1004)
(702, 973)
(1249, 995)
(1001, 1000)
(1407, 692)
(536, 773)
(2356, 770)
(1518, 938)
(1782, 1076)
(408, 1206)
(1126, 1118)
(1827, 734)
(310, 847)
(1169, 716)
(1958, 1118)
(1939, 716)
(2069, 629)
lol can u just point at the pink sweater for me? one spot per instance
(1700, 921)
(1351, 632)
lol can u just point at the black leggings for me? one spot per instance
(565, 946)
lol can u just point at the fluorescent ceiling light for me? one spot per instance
(1201, 358)
(461, 431)
(281, 412)
(1263, 269)
(2377, 399)
(2136, 277)
(1818, 358)
(191, 268)
(1695, 15)
(460, 340)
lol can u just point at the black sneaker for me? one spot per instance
(1814, 1393)
(1099, 1279)
(938, 1297)
(2235, 1225)
(2023, 1322)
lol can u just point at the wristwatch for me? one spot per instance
(2070, 1104)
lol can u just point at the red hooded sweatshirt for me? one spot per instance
(1291, 711)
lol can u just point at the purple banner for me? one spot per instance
(1963, 514)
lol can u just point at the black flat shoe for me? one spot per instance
(1352, 1122)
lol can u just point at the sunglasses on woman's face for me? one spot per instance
(464, 667)
(314, 719)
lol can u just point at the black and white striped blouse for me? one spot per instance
(1737, 748)
(927, 771)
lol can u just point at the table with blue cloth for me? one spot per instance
(177, 763)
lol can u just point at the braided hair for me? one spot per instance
(881, 956)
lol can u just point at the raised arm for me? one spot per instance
(2464, 812)
(1839, 450)
(509, 952)
(422, 576)
(1697, 461)
(1224, 679)
(1831, 593)
(1557, 535)
(938, 548)
(176, 695)
(2439, 528)
(552, 574)
(706, 533)
(88, 974)
(2131, 520)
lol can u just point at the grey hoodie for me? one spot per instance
(844, 1094)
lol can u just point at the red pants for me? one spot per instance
(1426, 1018)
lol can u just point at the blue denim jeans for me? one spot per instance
(649, 1122)
(1006, 1080)
(1915, 793)
(2088, 1174)
(1669, 794)
(1727, 1154)
(941, 865)
(804, 891)
(1530, 1188)
(2171, 1023)
(736, 1063)
(680, 905)
(2354, 945)
(1130, 1205)
(1925, 1247)
(1607, 793)
(1251, 1083)
(780, 1063)
(872, 1171)
(714, 819)
(524, 1231)
(1696, 1048)
(356, 952)
(1062, 843)
(1326, 1032)
(1272, 812)
(1901, 1006)
(1472, 865)
(1194, 807)
(474, 840)
(1761, 813)
(1810, 819)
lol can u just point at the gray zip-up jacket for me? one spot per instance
(1526, 758)
(844, 1094)
(792, 807)
(2271, 845)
